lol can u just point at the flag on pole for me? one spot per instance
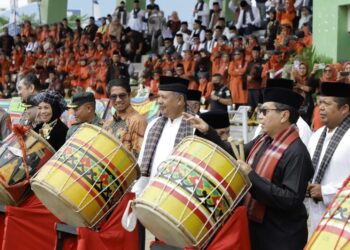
(96, 10)
(13, 18)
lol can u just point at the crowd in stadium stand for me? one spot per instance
(243, 52)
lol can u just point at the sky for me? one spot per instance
(183, 7)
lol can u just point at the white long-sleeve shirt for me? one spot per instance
(255, 22)
(336, 173)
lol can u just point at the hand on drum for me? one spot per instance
(245, 167)
(196, 122)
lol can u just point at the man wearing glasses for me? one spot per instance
(127, 124)
(279, 167)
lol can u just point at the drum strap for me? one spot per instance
(267, 165)
(152, 139)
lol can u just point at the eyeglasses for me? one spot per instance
(120, 96)
(327, 70)
(264, 111)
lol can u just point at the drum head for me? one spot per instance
(58, 205)
(162, 226)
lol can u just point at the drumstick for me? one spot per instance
(234, 148)
(241, 150)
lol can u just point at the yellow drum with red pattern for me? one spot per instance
(195, 190)
(14, 186)
(333, 232)
(86, 177)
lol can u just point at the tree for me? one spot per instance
(73, 17)
(3, 21)
(32, 18)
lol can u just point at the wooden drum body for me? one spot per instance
(192, 195)
(86, 178)
(14, 186)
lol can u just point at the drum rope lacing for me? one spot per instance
(20, 132)
(331, 217)
(219, 221)
(128, 170)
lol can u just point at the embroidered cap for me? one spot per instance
(54, 98)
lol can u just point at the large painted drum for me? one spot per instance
(192, 195)
(333, 232)
(14, 173)
(86, 178)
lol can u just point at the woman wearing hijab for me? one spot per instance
(305, 88)
(51, 105)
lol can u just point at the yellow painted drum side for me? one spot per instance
(333, 232)
(71, 191)
(94, 149)
(187, 156)
(173, 208)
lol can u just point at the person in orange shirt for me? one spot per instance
(155, 82)
(205, 86)
(100, 53)
(220, 47)
(273, 68)
(101, 78)
(237, 83)
(29, 62)
(4, 66)
(45, 33)
(221, 66)
(252, 42)
(80, 73)
(91, 53)
(188, 63)
(27, 29)
(168, 63)
(287, 14)
(17, 59)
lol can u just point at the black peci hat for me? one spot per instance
(174, 84)
(336, 89)
(81, 98)
(194, 95)
(280, 83)
(216, 119)
(283, 96)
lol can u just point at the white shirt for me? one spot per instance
(136, 23)
(336, 173)
(164, 148)
(204, 14)
(256, 15)
(304, 131)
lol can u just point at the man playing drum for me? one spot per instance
(329, 149)
(165, 132)
(279, 167)
(84, 106)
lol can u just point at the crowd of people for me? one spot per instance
(216, 63)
